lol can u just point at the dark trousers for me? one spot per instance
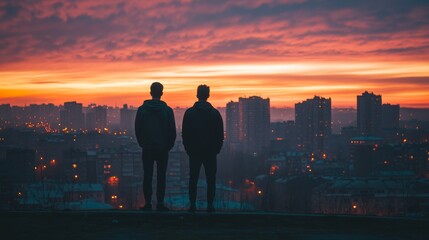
(210, 168)
(149, 157)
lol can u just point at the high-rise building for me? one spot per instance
(248, 124)
(313, 123)
(72, 117)
(100, 116)
(96, 117)
(232, 122)
(369, 114)
(389, 116)
(127, 116)
(113, 118)
(5, 115)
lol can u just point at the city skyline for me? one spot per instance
(98, 117)
(221, 104)
(109, 52)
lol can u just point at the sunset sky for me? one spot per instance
(109, 52)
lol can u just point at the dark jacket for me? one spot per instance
(202, 130)
(154, 126)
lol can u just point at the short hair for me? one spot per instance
(156, 89)
(203, 92)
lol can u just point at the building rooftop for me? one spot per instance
(115, 224)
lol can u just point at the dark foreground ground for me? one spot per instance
(182, 225)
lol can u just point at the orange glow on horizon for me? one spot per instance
(284, 83)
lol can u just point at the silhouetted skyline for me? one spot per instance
(98, 117)
(292, 166)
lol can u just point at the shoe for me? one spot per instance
(162, 208)
(210, 208)
(147, 208)
(192, 208)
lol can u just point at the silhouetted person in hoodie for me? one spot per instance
(202, 135)
(156, 133)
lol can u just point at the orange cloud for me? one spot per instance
(108, 52)
(284, 83)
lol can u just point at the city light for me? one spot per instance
(248, 182)
(273, 169)
(113, 181)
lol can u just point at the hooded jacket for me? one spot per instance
(154, 126)
(202, 130)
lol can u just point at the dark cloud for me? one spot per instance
(237, 45)
(10, 12)
(421, 81)
(403, 50)
(193, 30)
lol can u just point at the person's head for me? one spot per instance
(203, 92)
(156, 90)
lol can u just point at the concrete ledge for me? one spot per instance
(201, 225)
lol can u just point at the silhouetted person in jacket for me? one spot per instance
(202, 135)
(156, 133)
